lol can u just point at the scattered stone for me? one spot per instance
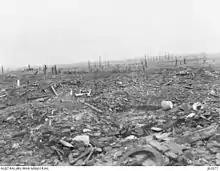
(198, 106)
(66, 144)
(166, 105)
(156, 129)
(84, 138)
(131, 137)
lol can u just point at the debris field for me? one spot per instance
(164, 117)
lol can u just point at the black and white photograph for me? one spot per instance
(109, 83)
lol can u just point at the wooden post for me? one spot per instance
(184, 61)
(89, 66)
(95, 67)
(55, 69)
(143, 66)
(145, 59)
(45, 71)
(100, 62)
(52, 70)
(176, 61)
(2, 72)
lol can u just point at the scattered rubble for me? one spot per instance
(170, 117)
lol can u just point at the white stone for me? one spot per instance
(166, 105)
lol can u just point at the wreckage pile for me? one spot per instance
(168, 117)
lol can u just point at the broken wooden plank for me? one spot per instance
(3, 96)
(198, 135)
(54, 91)
(92, 107)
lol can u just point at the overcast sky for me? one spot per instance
(68, 31)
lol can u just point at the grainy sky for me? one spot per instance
(68, 31)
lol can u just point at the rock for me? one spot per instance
(197, 106)
(156, 129)
(2, 142)
(84, 138)
(190, 115)
(66, 144)
(86, 130)
(138, 131)
(213, 93)
(15, 145)
(78, 117)
(18, 83)
(66, 131)
(164, 136)
(166, 105)
(97, 134)
(218, 159)
(131, 137)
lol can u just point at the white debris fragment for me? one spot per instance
(71, 92)
(86, 130)
(190, 115)
(131, 137)
(66, 144)
(166, 105)
(84, 138)
(18, 83)
(15, 145)
(156, 129)
(197, 106)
